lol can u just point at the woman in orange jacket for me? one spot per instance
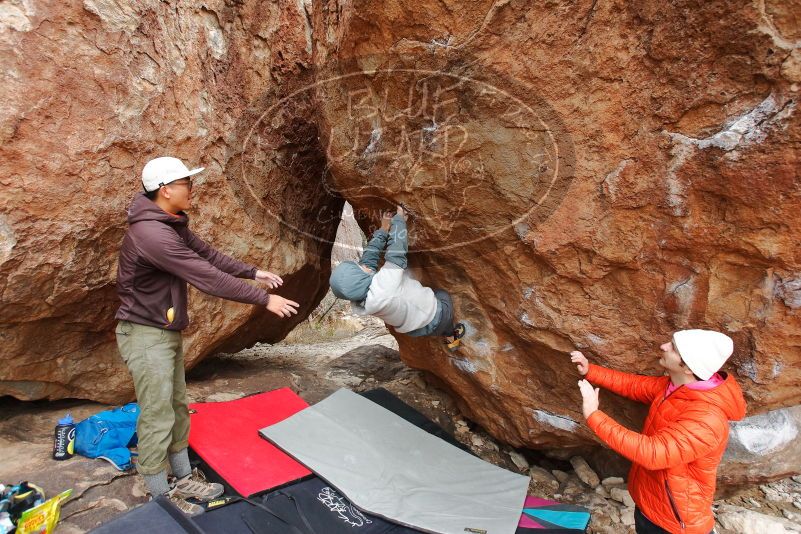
(675, 458)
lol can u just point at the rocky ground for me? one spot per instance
(325, 354)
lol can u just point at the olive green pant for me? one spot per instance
(155, 358)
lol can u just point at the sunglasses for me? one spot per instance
(187, 183)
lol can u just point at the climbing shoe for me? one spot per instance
(458, 331)
(454, 340)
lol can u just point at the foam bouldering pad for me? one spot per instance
(157, 516)
(565, 518)
(314, 506)
(387, 400)
(542, 516)
(388, 467)
(225, 435)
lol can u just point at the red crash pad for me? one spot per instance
(226, 436)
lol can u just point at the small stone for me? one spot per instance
(476, 440)
(573, 488)
(602, 491)
(792, 516)
(419, 381)
(745, 521)
(753, 502)
(138, 488)
(435, 403)
(612, 481)
(796, 478)
(775, 494)
(542, 476)
(561, 476)
(519, 460)
(627, 517)
(622, 495)
(585, 472)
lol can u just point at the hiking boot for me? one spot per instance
(194, 486)
(183, 505)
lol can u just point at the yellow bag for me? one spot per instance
(42, 519)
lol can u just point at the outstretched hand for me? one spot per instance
(402, 213)
(590, 398)
(282, 307)
(581, 361)
(272, 280)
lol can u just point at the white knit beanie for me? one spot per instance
(703, 351)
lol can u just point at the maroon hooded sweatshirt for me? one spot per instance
(159, 255)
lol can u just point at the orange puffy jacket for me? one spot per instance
(675, 459)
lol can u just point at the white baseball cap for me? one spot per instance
(703, 351)
(161, 171)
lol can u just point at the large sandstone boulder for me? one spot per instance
(763, 446)
(591, 175)
(580, 175)
(90, 91)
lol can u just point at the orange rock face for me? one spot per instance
(591, 176)
(580, 175)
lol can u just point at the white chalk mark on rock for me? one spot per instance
(7, 240)
(557, 421)
(215, 37)
(464, 365)
(750, 128)
(118, 16)
(764, 433)
(767, 27)
(789, 291)
(16, 15)
(609, 185)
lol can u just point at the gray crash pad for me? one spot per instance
(388, 467)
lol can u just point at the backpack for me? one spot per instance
(108, 435)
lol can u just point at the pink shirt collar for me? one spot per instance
(704, 385)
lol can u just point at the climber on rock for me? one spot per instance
(390, 293)
(159, 255)
(675, 458)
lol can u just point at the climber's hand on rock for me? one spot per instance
(272, 280)
(582, 364)
(590, 398)
(402, 213)
(386, 220)
(282, 307)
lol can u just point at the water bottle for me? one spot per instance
(64, 442)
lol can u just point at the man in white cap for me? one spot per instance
(158, 257)
(675, 458)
